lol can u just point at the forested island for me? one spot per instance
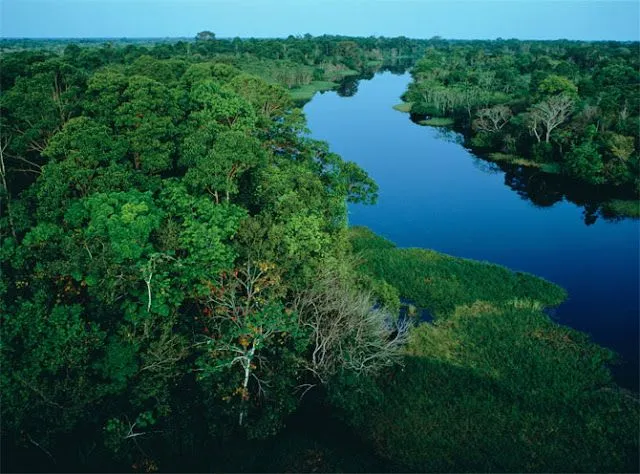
(181, 291)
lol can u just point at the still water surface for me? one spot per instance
(436, 194)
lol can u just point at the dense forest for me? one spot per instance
(567, 108)
(180, 290)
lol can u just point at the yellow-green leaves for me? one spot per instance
(219, 104)
(121, 221)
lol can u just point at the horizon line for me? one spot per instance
(192, 38)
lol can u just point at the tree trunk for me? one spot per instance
(535, 132)
(5, 187)
(245, 383)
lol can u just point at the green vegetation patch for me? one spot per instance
(506, 157)
(307, 91)
(342, 73)
(438, 122)
(493, 385)
(121, 267)
(626, 208)
(403, 107)
(552, 168)
(156, 192)
(500, 404)
(439, 282)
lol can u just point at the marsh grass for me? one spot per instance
(552, 168)
(493, 384)
(438, 122)
(525, 303)
(440, 282)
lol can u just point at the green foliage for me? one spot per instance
(120, 221)
(49, 351)
(146, 117)
(87, 143)
(306, 92)
(169, 212)
(568, 112)
(165, 72)
(552, 168)
(437, 122)
(218, 105)
(438, 416)
(542, 152)
(585, 163)
(630, 208)
(269, 101)
(218, 169)
(205, 36)
(439, 282)
(139, 188)
(554, 84)
(38, 105)
(250, 348)
(104, 94)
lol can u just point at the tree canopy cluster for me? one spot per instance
(164, 223)
(571, 106)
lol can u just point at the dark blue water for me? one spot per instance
(436, 194)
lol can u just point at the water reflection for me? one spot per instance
(533, 185)
(349, 86)
(545, 190)
(485, 166)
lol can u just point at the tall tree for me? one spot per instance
(549, 115)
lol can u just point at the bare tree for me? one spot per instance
(148, 271)
(550, 114)
(5, 187)
(492, 119)
(347, 331)
(242, 324)
(533, 123)
(623, 115)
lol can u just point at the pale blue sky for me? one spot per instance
(472, 19)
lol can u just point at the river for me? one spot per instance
(436, 194)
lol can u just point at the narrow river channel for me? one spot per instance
(436, 194)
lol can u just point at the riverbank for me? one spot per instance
(613, 207)
(306, 92)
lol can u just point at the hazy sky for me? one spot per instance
(572, 19)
